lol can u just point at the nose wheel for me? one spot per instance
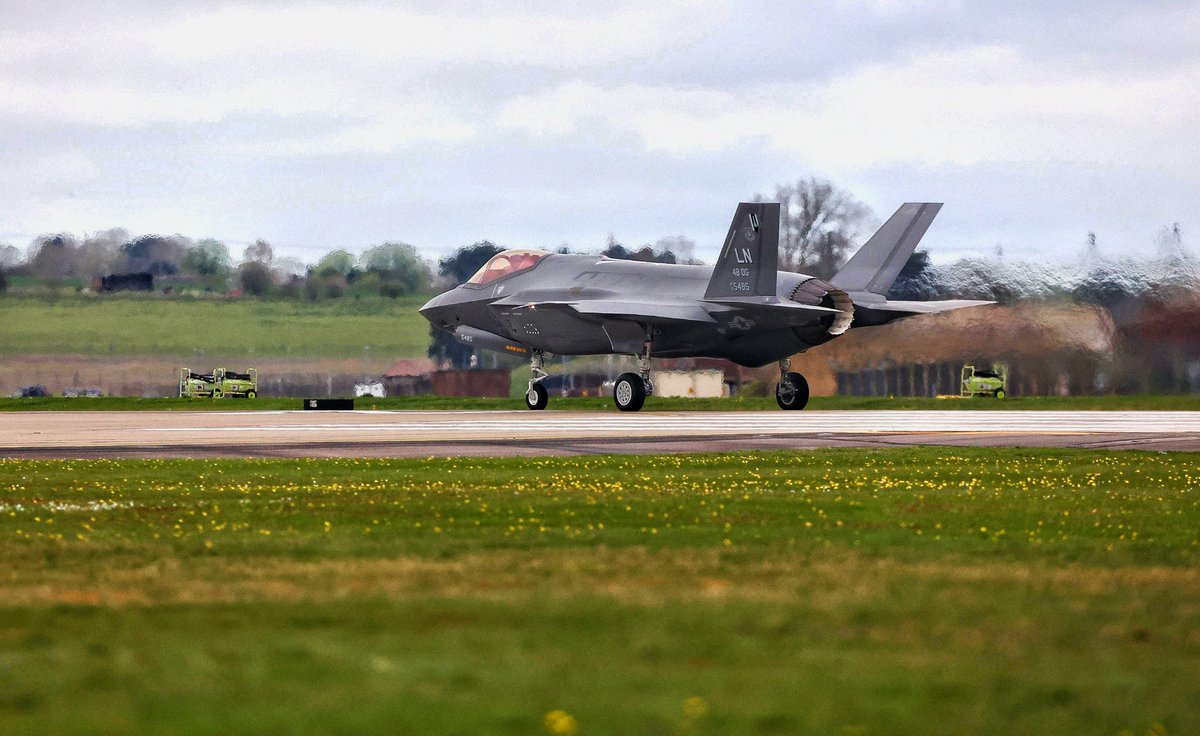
(792, 392)
(536, 396)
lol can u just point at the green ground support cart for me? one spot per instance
(237, 385)
(196, 385)
(981, 382)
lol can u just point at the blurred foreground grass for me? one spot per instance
(876, 592)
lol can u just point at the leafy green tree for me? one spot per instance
(456, 269)
(156, 254)
(209, 259)
(256, 278)
(399, 268)
(338, 261)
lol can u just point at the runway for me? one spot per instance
(483, 433)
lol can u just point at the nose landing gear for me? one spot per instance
(536, 397)
(792, 391)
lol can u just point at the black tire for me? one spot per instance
(629, 392)
(537, 397)
(795, 399)
(251, 394)
(1000, 393)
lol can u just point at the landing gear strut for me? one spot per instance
(792, 391)
(536, 397)
(631, 389)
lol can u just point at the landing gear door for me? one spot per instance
(625, 336)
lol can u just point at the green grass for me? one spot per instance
(157, 325)
(423, 403)
(936, 591)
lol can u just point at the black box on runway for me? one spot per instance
(329, 404)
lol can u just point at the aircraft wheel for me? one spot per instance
(793, 398)
(629, 392)
(537, 397)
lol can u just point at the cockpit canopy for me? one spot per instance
(505, 264)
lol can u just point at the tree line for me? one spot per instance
(182, 265)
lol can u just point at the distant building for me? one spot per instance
(491, 383)
(124, 282)
(408, 377)
(697, 384)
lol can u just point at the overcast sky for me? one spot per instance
(326, 125)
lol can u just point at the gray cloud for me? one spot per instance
(320, 126)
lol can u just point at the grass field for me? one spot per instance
(654, 403)
(154, 325)
(929, 591)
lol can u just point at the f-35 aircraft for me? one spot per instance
(533, 303)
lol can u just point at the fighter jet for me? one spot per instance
(533, 303)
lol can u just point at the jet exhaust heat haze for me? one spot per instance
(743, 309)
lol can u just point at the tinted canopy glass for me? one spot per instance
(506, 263)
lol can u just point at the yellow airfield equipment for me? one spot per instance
(196, 385)
(219, 384)
(983, 382)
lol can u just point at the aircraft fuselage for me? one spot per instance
(527, 308)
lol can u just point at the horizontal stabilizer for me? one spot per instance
(876, 265)
(928, 307)
(870, 313)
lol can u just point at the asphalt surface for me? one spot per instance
(527, 433)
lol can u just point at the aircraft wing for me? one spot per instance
(658, 311)
(650, 312)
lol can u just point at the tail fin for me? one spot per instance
(749, 261)
(877, 264)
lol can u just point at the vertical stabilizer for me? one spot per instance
(876, 265)
(749, 259)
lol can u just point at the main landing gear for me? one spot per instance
(631, 389)
(792, 391)
(536, 397)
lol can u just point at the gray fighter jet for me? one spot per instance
(533, 303)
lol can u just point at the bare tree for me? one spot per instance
(818, 223)
(52, 257)
(260, 251)
(10, 256)
(100, 252)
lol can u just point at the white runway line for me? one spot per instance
(505, 424)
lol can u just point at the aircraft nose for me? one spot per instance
(432, 304)
(436, 309)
